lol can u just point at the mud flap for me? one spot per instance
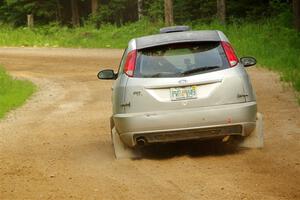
(121, 150)
(256, 138)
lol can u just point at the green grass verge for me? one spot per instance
(13, 93)
(109, 36)
(273, 44)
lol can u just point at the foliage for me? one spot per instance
(15, 11)
(114, 12)
(13, 92)
(154, 10)
(123, 11)
(186, 11)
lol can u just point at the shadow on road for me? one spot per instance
(190, 148)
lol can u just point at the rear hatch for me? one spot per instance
(182, 76)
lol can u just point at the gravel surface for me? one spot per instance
(57, 146)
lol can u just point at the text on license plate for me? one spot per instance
(183, 93)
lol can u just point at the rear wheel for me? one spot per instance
(120, 149)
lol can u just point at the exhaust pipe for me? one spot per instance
(226, 138)
(141, 141)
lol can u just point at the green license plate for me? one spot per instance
(183, 93)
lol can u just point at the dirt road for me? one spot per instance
(57, 146)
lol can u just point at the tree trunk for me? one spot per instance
(169, 19)
(75, 13)
(296, 8)
(94, 6)
(30, 22)
(221, 10)
(58, 12)
(140, 9)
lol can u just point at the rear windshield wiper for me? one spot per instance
(161, 74)
(200, 69)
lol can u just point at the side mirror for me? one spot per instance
(248, 61)
(107, 74)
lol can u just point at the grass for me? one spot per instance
(13, 93)
(273, 44)
(109, 36)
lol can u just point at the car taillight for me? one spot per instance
(130, 63)
(232, 58)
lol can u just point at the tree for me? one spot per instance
(221, 10)
(94, 6)
(140, 9)
(75, 13)
(169, 18)
(296, 9)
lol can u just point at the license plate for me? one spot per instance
(183, 93)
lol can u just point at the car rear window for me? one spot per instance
(183, 59)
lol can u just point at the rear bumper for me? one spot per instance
(175, 125)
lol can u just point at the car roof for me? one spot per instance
(179, 37)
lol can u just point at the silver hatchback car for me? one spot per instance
(180, 85)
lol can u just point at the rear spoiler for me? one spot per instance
(173, 29)
(177, 37)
